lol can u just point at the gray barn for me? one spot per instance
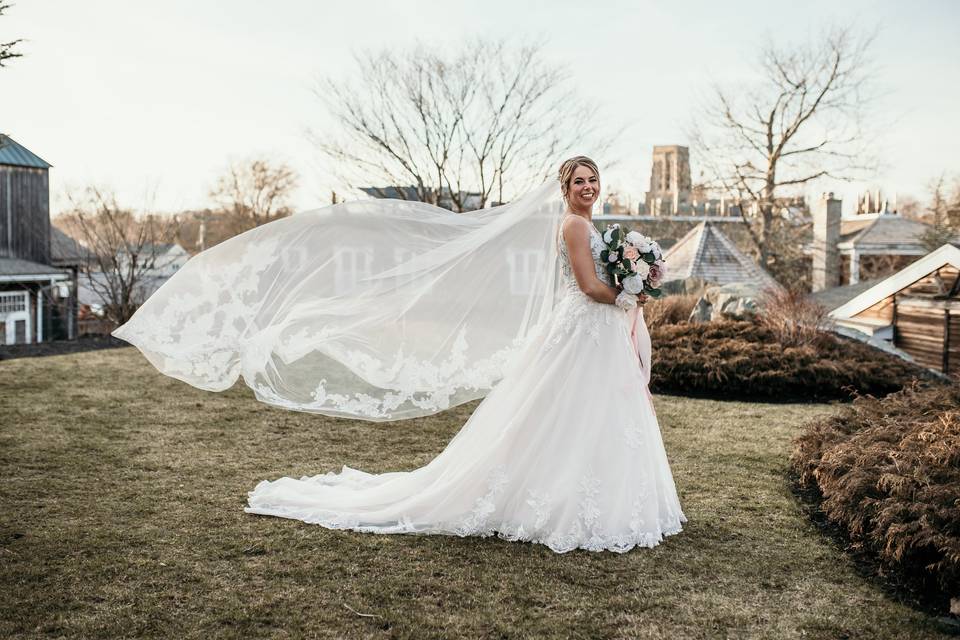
(34, 296)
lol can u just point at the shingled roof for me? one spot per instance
(65, 251)
(15, 268)
(882, 230)
(707, 254)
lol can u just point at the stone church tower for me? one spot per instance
(670, 183)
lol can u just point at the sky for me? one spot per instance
(154, 100)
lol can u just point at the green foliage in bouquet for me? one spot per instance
(622, 267)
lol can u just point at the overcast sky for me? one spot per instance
(153, 99)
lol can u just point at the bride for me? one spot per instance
(511, 304)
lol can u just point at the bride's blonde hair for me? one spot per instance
(569, 166)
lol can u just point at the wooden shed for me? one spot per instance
(917, 309)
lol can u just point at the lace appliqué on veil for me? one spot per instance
(406, 378)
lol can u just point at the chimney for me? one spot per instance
(826, 234)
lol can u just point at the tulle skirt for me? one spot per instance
(565, 451)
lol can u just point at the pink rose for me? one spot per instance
(631, 252)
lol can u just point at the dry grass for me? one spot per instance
(122, 517)
(669, 309)
(793, 317)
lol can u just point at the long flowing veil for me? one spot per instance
(377, 309)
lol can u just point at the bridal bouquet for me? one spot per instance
(634, 261)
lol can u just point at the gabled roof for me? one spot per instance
(945, 255)
(64, 250)
(882, 230)
(707, 254)
(14, 154)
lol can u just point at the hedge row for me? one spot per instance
(887, 471)
(745, 360)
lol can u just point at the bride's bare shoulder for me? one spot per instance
(575, 228)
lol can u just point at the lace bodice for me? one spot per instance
(597, 245)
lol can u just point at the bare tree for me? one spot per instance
(255, 192)
(123, 248)
(7, 48)
(909, 207)
(800, 123)
(943, 215)
(462, 128)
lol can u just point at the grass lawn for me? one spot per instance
(121, 515)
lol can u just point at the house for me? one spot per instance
(35, 295)
(860, 247)
(159, 263)
(917, 309)
(706, 254)
(166, 259)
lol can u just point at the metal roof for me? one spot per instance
(14, 154)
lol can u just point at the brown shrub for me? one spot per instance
(792, 316)
(669, 309)
(888, 473)
(746, 360)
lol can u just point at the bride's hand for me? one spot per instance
(642, 298)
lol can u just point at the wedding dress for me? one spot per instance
(383, 310)
(564, 451)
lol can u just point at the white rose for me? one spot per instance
(633, 284)
(608, 234)
(640, 241)
(642, 268)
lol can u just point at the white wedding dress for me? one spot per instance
(565, 450)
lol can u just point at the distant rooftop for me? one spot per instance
(12, 267)
(837, 296)
(707, 254)
(881, 230)
(64, 250)
(14, 154)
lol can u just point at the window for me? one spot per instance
(13, 302)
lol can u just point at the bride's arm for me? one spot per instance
(576, 234)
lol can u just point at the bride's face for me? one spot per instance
(584, 188)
